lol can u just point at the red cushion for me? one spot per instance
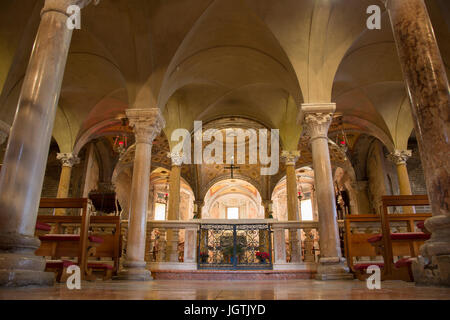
(421, 225)
(100, 266)
(60, 237)
(403, 263)
(43, 226)
(410, 236)
(402, 236)
(59, 264)
(375, 238)
(96, 239)
(364, 266)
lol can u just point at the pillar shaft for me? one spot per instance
(427, 84)
(64, 182)
(25, 160)
(292, 203)
(174, 206)
(291, 186)
(399, 157)
(68, 160)
(318, 119)
(147, 124)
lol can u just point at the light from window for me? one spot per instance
(160, 211)
(307, 214)
(232, 213)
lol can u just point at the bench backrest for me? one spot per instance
(83, 220)
(111, 246)
(386, 218)
(356, 244)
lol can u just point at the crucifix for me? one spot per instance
(232, 167)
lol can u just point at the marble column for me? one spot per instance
(25, 160)
(399, 157)
(147, 124)
(290, 158)
(173, 212)
(428, 88)
(317, 119)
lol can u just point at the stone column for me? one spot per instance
(25, 160)
(317, 118)
(399, 157)
(173, 212)
(147, 125)
(68, 160)
(292, 202)
(428, 88)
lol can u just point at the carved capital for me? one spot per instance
(176, 157)
(317, 119)
(147, 123)
(399, 157)
(68, 159)
(290, 157)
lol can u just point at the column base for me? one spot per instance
(434, 273)
(134, 271)
(22, 278)
(333, 268)
(19, 266)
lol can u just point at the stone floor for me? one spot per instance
(230, 290)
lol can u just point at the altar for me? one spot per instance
(202, 249)
(235, 245)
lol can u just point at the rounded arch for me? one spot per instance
(237, 176)
(233, 193)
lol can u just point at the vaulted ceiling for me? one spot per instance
(212, 59)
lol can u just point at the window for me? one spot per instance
(307, 214)
(160, 211)
(232, 213)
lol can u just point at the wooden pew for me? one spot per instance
(111, 246)
(357, 245)
(411, 240)
(96, 245)
(58, 245)
(370, 245)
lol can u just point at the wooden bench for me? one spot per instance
(370, 244)
(411, 240)
(59, 245)
(95, 246)
(111, 246)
